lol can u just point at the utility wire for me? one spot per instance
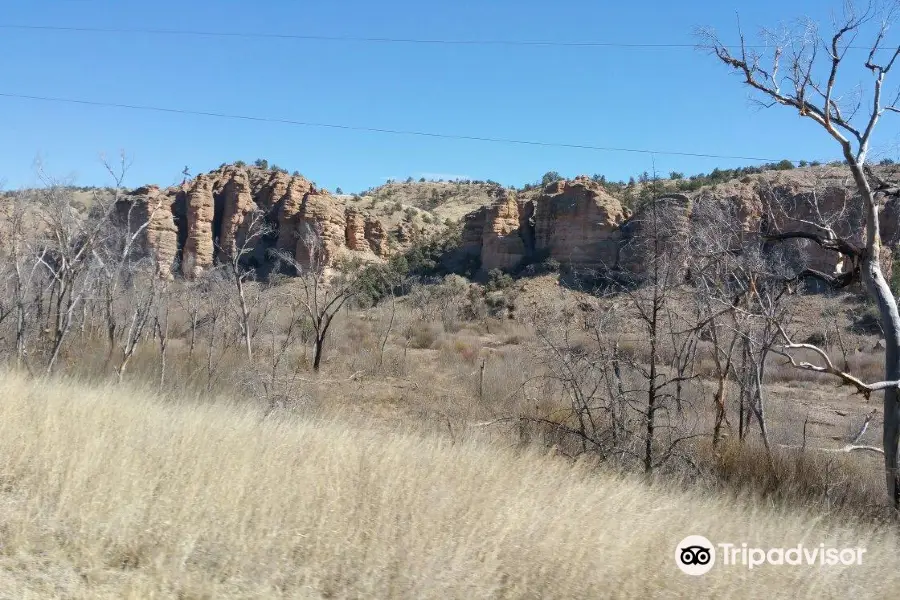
(341, 38)
(383, 40)
(447, 136)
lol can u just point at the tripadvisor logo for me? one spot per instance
(696, 555)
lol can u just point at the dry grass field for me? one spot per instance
(117, 492)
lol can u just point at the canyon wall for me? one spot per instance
(249, 212)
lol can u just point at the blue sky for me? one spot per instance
(662, 99)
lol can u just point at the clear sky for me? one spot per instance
(660, 99)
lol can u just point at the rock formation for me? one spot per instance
(322, 216)
(584, 228)
(206, 220)
(197, 254)
(356, 230)
(496, 233)
(577, 222)
(160, 236)
(293, 194)
(376, 237)
(237, 208)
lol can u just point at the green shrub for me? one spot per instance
(784, 165)
(550, 177)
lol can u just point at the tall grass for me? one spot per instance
(110, 492)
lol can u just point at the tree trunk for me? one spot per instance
(880, 291)
(720, 408)
(317, 361)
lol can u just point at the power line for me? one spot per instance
(447, 136)
(341, 38)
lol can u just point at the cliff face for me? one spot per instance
(237, 208)
(584, 228)
(496, 233)
(577, 223)
(207, 220)
(197, 254)
(247, 210)
(160, 237)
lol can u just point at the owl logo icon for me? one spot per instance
(695, 555)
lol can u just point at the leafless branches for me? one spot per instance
(803, 87)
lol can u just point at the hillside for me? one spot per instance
(583, 224)
(443, 200)
(118, 493)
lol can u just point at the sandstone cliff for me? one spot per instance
(160, 236)
(197, 254)
(208, 219)
(496, 233)
(236, 210)
(584, 228)
(577, 223)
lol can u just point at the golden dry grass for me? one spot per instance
(115, 493)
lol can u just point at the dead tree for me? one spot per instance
(661, 239)
(69, 240)
(162, 326)
(120, 268)
(255, 227)
(800, 70)
(24, 257)
(142, 293)
(324, 291)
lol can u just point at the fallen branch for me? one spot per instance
(863, 388)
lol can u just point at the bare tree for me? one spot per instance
(323, 293)
(629, 405)
(24, 273)
(161, 326)
(119, 263)
(255, 227)
(661, 238)
(67, 257)
(800, 70)
(142, 292)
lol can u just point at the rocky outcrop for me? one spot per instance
(577, 222)
(472, 236)
(197, 254)
(207, 220)
(160, 236)
(237, 207)
(405, 234)
(322, 216)
(293, 194)
(376, 237)
(503, 246)
(271, 187)
(356, 230)
(581, 226)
